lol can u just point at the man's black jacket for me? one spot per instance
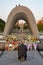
(22, 50)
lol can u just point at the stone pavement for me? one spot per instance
(10, 58)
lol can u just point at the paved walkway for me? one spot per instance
(10, 58)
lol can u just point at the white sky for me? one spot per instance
(36, 7)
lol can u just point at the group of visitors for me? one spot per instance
(23, 47)
(32, 46)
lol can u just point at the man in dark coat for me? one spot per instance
(22, 50)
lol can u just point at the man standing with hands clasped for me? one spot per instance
(22, 51)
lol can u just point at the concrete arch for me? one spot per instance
(21, 12)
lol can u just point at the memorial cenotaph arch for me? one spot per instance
(24, 13)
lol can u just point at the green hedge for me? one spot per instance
(2, 24)
(40, 27)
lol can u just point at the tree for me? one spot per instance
(25, 26)
(40, 24)
(2, 25)
(40, 27)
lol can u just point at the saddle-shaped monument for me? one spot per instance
(17, 13)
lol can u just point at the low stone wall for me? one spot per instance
(40, 47)
(2, 47)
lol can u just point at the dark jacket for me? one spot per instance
(22, 50)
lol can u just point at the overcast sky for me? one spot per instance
(36, 7)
